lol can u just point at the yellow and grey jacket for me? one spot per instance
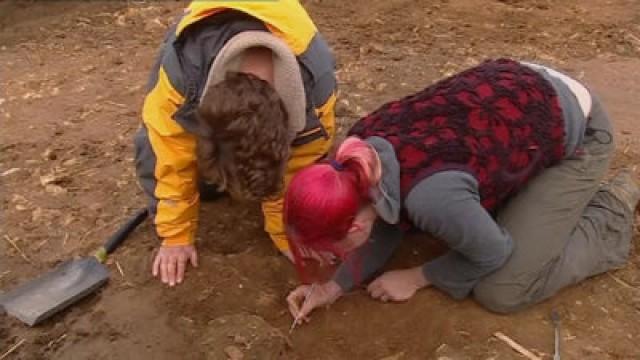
(166, 142)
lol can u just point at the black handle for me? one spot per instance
(116, 239)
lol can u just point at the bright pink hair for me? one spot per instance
(322, 200)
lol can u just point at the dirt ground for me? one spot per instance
(72, 76)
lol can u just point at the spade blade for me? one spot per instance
(41, 298)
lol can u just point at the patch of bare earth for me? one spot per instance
(72, 84)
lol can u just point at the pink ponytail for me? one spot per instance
(322, 200)
(360, 158)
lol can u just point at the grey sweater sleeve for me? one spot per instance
(369, 258)
(447, 205)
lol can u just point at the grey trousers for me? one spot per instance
(565, 226)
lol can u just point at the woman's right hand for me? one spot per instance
(322, 295)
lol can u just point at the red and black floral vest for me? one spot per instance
(500, 121)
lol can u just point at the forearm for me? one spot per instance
(448, 206)
(274, 224)
(173, 196)
(166, 167)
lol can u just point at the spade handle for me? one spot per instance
(118, 237)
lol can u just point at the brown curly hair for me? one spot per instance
(244, 144)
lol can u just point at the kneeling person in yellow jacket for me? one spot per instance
(242, 96)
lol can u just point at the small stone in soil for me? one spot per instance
(238, 339)
(233, 352)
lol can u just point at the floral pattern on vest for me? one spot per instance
(499, 121)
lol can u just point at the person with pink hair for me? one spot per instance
(503, 162)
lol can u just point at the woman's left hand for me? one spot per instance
(397, 285)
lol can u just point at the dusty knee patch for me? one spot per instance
(500, 299)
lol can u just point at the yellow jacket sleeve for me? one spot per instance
(166, 165)
(301, 157)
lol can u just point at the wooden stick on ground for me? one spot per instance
(120, 269)
(515, 346)
(623, 283)
(98, 228)
(19, 250)
(54, 342)
(13, 348)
